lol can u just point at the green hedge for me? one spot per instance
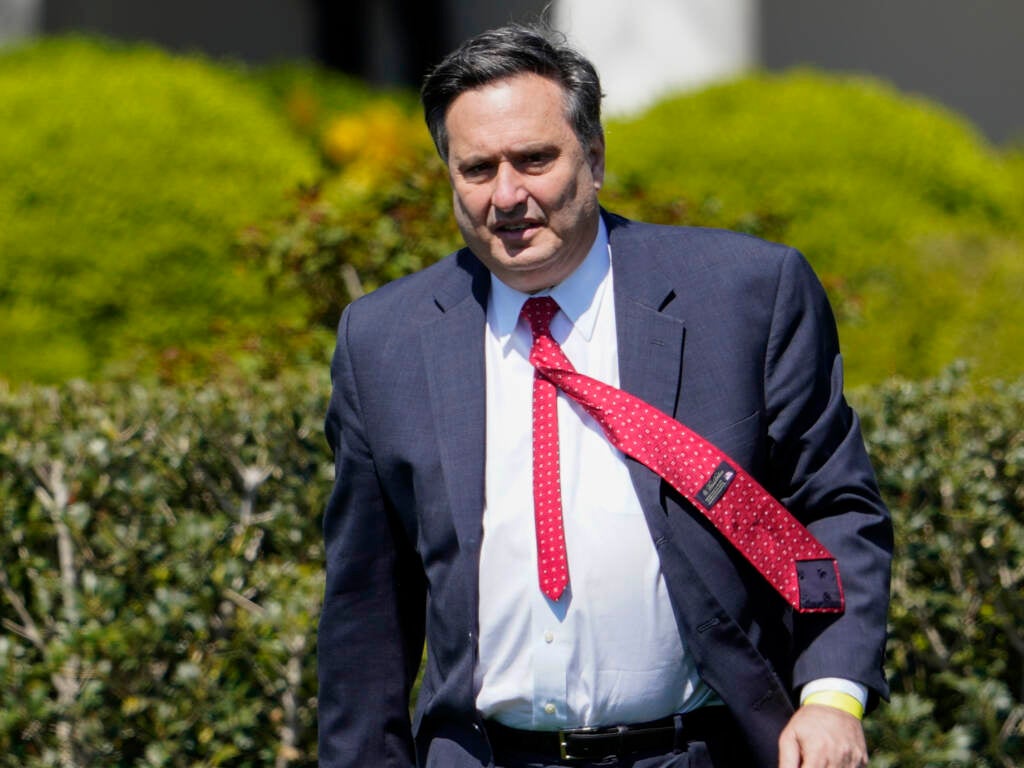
(127, 174)
(162, 548)
(950, 461)
(160, 554)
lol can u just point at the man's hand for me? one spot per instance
(819, 736)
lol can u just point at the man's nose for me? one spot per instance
(509, 190)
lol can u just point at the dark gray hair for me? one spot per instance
(505, 52)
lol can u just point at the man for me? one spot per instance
(561, 584)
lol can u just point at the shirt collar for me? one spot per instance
(579, 295)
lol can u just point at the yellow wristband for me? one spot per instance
(843, 701)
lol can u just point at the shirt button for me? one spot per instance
(549, 637)
(550, 708)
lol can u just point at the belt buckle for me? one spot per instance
(563, 742)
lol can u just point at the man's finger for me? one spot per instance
(789, 749)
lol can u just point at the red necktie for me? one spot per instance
(763, 531)
(552, 565)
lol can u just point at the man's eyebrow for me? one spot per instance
(473, 159)
(515, 153)
(535, 147)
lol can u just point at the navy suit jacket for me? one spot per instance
(730, 335)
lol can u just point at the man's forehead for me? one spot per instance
(517, 83)
(513, 101)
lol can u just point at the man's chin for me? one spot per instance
(511, 250)
(531, 277)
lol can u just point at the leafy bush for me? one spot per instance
(313, 98)
(386, 212)
(914, 224)
(950, 461)
(161, 573)
(127, 175)
(310, 95)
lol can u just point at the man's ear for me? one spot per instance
(595, 158)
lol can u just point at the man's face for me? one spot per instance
(525, 190)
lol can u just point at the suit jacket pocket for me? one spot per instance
(742, 440)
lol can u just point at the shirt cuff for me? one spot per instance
(837, 692)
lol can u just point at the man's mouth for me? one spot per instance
(516, 228)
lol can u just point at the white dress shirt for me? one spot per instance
(608, 651)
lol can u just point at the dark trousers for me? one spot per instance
(696, 756)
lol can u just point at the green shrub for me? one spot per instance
(127, 173)
(385, 214)
(950, 462)
(160, 553)
(312, 97)
(914, 224)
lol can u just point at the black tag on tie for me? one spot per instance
(819, 585)
(715, 488)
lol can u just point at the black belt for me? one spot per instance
(597, 743)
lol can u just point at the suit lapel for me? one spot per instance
(453, 352)
(650, 337)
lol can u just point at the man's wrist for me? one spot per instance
(837, 700)
(838, 693)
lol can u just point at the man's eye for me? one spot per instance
(536, 162)
(477, 170)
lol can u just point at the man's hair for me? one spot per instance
(506, 52)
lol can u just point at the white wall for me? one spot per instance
(646, 48)
(19, 18)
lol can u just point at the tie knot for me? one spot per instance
(538, 313)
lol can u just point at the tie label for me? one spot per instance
(716, 487)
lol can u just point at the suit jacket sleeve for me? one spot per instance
(815, 443)
(371, 626)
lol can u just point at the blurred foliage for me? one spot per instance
(161, 573)
(383, 213)
(914, 224)
(381, 208)
(310, 95)
(313, 97)
(127, 173)
(171, 217)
